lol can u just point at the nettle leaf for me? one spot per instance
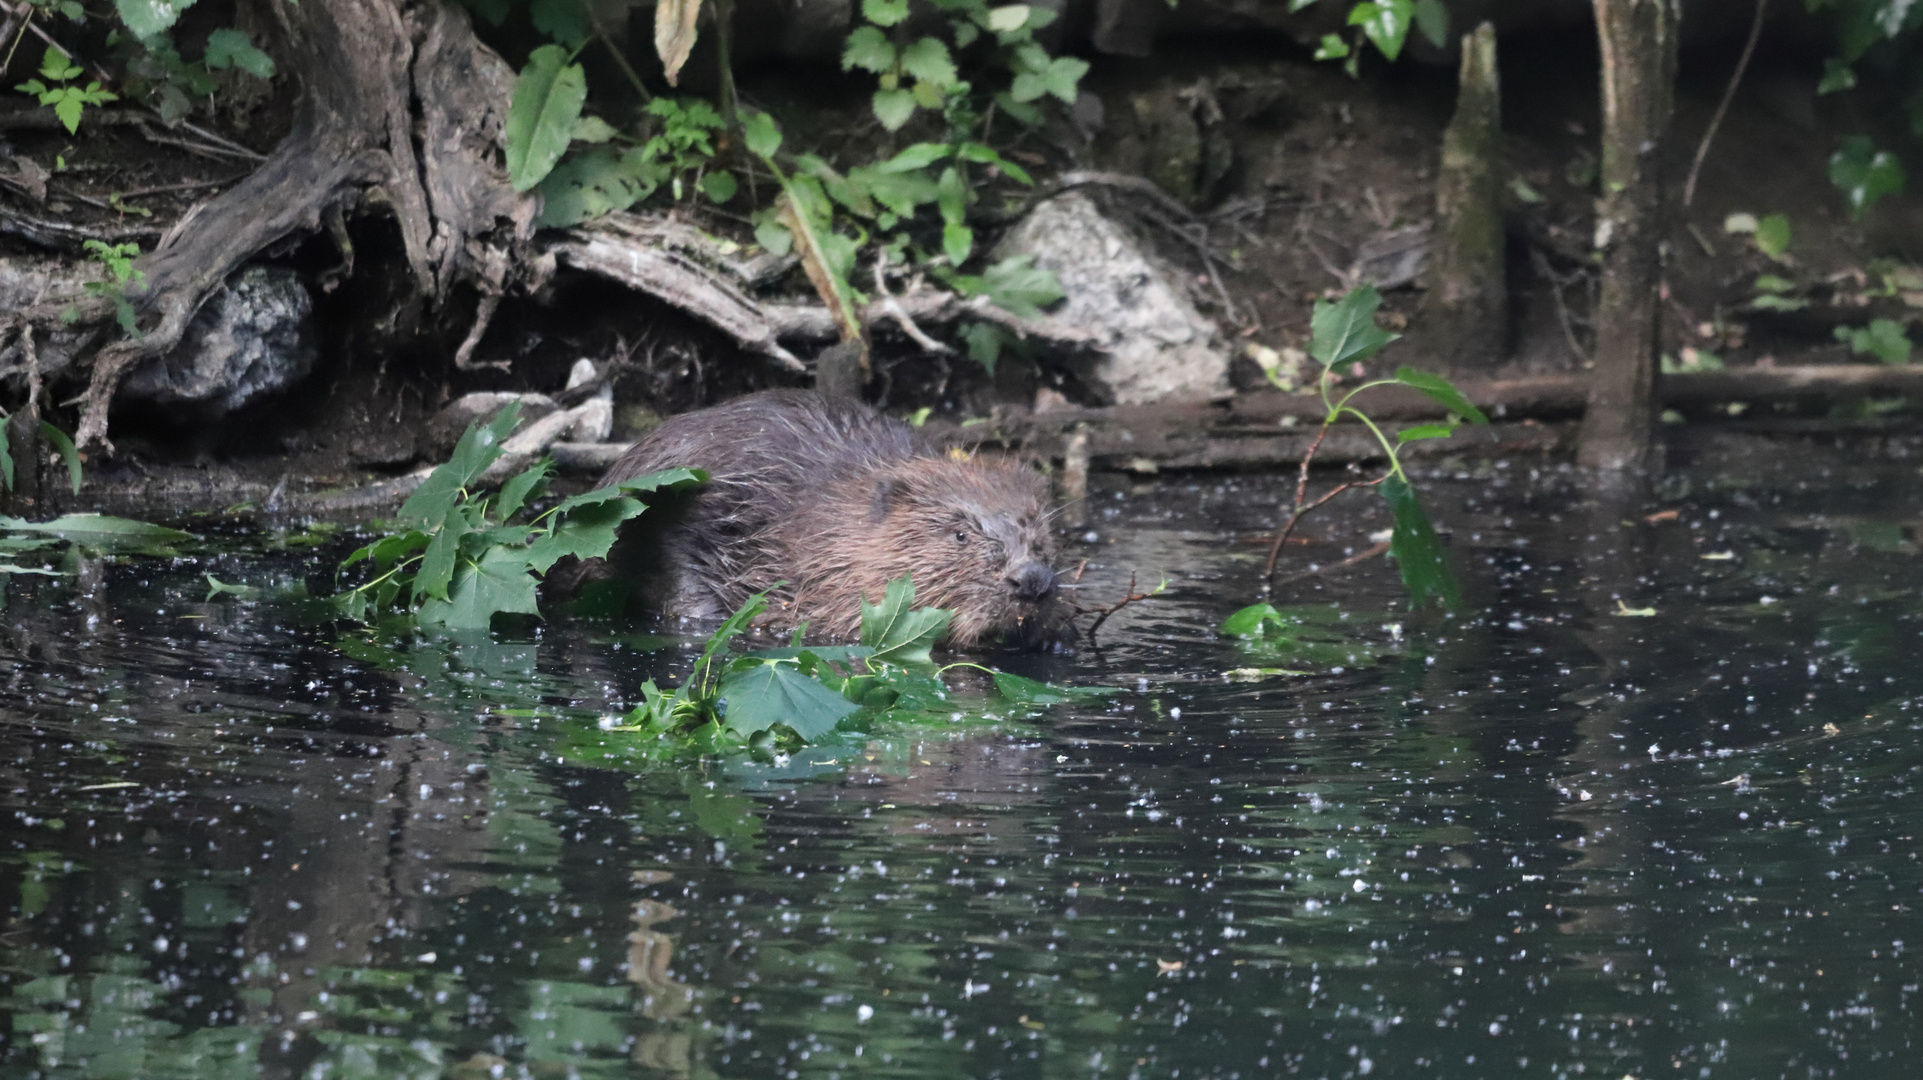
(547, 100)
(927, 59)
(1416, 550)
(897, 631)
(1027, 87)
(233, 48)
(1442, 392)
(1007, 19)
(498, 582)
(884, 12)
(761, 135)
(146, 18)
(1064, 74)
(770, 692)
(432, 502)
(1385, 22)
(1019, 287)
(1865, 174)
(869, 49)
(1344, 330)
(894, 107)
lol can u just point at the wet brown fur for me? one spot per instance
(838, 501)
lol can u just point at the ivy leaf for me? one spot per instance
(770, 692)
(1344, 330)
(547, 100)
(146, 18)
(884, 12)
(1442, 392)
(1416, 550)
(869, 49)
(898, 632)
(498, 582)
(233, 48)
(1865, 174)
(758, 131)
(1385, 22)
(927, 59)
(894, 107)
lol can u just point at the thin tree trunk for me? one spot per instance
(1638, 79)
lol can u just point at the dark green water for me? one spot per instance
(1548, 840)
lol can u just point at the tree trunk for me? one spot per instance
(1638, 80)
(1466, 310)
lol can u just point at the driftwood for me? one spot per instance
(1268, 430)
(682, 267)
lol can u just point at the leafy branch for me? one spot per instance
(1345, 332)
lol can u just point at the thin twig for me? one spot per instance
(1303, 512)
(1132, 597)
(1301, 492)
(1360, 556)
(1556, 285)
(1722, 107)
(893, 308)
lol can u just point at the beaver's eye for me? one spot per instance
(961, 536)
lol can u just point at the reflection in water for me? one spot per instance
(1552, 839)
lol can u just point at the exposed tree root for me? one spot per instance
(367, 92)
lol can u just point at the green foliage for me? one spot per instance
(780, 698)
(56, 87)
(1773, 236)
(118, 261)
(1865, 174)
(1321, 635)
(62, 444)
(603, 180)
(458, 558)
(1884, 339)
(1384, 24)
(22, 541)
(548, 95)
(1345, 331)
(922, 75)
(147, 18)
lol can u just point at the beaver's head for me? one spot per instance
(976, 538)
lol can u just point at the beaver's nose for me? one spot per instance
(1032, 581)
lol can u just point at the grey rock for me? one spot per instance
(1158, 346)
(251, 338)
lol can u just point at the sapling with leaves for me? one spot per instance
(1344, 332)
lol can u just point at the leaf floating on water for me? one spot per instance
(1625, 610)
(1259, 674)
(1718, 556)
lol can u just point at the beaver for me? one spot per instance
(836, 501)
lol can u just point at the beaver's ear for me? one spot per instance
(887, 491)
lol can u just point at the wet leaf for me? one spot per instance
(1343, 331)
(897, 631)
(99, 530)
(547, 100)
(217, 587)
(586, 532)
(1026, 691)
(771, 692)
(498, 582)
(1416, 550)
